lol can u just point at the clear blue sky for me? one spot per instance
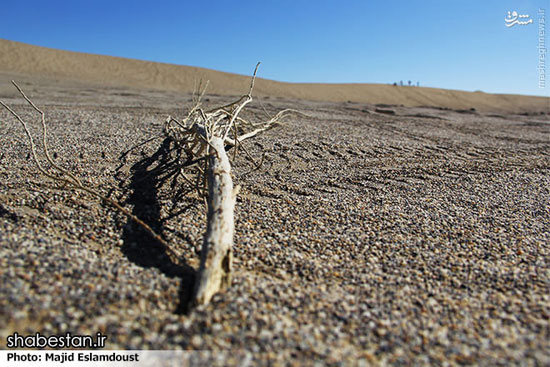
(454, 44)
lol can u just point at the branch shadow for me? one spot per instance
(147, 176)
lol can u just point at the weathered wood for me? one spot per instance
(201, 137)
(216, 256)
(204, 136)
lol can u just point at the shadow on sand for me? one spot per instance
(147, 176)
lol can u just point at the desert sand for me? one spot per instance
(391, 225)
(39, 62)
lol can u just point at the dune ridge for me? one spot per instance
(61, 66)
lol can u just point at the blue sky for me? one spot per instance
(454, 44)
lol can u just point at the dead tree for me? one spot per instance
(204, 137)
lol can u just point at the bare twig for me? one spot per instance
(208, 134)
(202, 138)
(67, 178)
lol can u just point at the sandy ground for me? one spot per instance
(51, 65)
(371, 235)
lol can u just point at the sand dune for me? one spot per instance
(413, 237)
(52, 65)
(368, 236)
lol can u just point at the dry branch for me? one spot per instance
(67, 178)
(216, 257)
(205, 136)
